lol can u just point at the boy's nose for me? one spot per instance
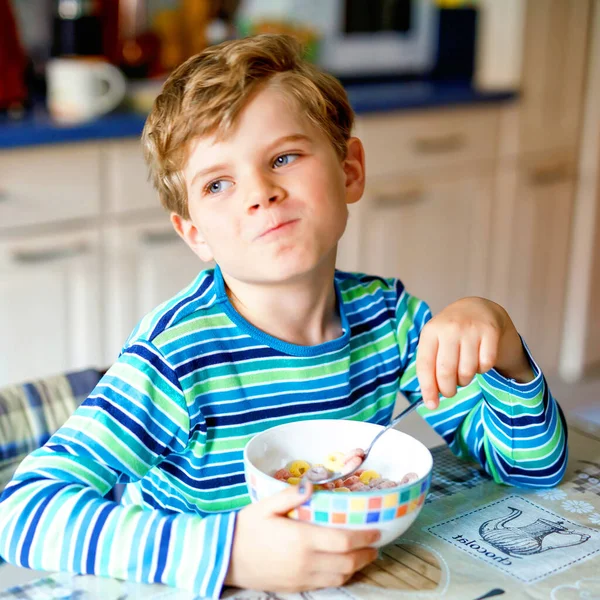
(264, 193)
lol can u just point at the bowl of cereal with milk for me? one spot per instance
(386, 493)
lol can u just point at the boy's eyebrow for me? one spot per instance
(203, 172)
(296, 137)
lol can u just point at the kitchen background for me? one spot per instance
(481, 122)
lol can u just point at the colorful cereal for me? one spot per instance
(337, 462)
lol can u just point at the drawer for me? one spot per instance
(401, 142)
(128, 187)
(45, 185)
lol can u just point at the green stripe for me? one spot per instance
(490, 461)
(254, 377)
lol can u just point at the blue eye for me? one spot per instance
(219, 185)
(285, 159)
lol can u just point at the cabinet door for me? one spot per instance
(539, 256)
(531, 249)
(44, 185)
(146, 265)
(49, 305)
(430, 234)
(350, 246)
(128, 189)
(555, 51)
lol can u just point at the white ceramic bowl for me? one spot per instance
(395, 454)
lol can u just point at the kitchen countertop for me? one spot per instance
(37, 128)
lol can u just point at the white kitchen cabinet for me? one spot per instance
(146, 264)
(431, 232)
(428, 140)
(50, 309)
(49, 185)
(128, 189)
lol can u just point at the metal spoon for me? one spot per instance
(393, 422)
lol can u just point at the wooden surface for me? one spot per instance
(580, 351)
(402, 567)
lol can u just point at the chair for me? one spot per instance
(31, 412)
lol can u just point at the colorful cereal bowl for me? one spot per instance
(392, 510)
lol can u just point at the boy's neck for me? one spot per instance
(302, 312)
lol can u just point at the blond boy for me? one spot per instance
(251, 151)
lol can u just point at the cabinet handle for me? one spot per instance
(33, 257)
(543, 176)
(440, 145)
(400, 198)
(157, 238)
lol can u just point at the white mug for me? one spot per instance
(80, 89)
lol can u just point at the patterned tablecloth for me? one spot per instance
(473, 539)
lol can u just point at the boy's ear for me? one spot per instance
(354, 168)
(192, 236)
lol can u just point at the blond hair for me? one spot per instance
(205, 95)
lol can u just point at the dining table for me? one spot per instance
(473, 539)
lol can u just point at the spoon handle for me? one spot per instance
(494, 592)
(406, 411)
(395, 421)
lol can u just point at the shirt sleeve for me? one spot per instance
(53, 514)
(516, 431)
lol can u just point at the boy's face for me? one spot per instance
(269, 202)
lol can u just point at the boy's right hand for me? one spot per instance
(274, 553)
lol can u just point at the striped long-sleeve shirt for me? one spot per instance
(193, 383)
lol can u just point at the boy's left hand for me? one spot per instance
(469, 336)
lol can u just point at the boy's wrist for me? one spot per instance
(512, 361)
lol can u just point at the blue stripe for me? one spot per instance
(149, 548)
(30, 532)
(132, 427)
(371, 324)
(157, 362)
(93, 545)
(168, 316)
(227, 357)
(16, 485)
(163, 548)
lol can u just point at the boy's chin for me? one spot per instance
(273, 274)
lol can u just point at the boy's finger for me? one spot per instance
(344, 564)
(468, 361)
(488, 352)
(339, 541)
(446, 367)
(316, 581)
(288, 499)
(426, 359)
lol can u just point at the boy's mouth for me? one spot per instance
(280, 227)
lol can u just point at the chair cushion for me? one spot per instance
(31, 412)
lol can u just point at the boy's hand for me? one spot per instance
(469, 336)
(274, 553)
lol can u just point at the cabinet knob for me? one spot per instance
(48, 255)
(158, 238)
(400, 197)
(440, 145)
(549, 175)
